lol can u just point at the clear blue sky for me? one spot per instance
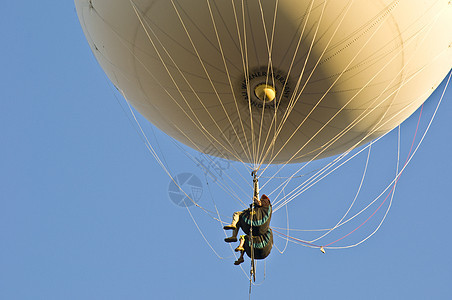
(84, 208)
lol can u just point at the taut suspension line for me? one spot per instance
(255, 195)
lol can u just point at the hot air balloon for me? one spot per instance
(281, 81)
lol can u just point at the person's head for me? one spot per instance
(258, 201)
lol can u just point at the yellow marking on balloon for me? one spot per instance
(265, 92)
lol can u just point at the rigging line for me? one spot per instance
(158, 146)
(214, 204)
(257, 145)
(158, 160)
(287, 241)
(163, 88)
(431, 26)
(287, 177)
(272, 69)
(358, 212)
(241, 52)
(396, 179)
(276, 246)
(248, 10)
(296, 192)
(352, 147)
(202, 234)
(408, 160)
(265, 275)
(371, 203)
(193, 159)
(301, 19)
(310, 179)
(244, 64)
(245, 43)
(278, 134)
(143, 136)
(299, 192)
(177, 87)
(287, 222)
(364, 138)
(324, 95)
(160, 29)
(222, 184)
(331, 25)
(147, 70)
(390, 201)
(327, 92)
(391, 192)
(295, 242)
(218, 214)
(395, 115)
(294, 99)
(301, 230)
(206, 38)
(211, 82)
(230, 85)
(269, 67)
(298, 240)
(324, 169)
(122, 108)
(156, 157)
(318, 173)
(314, 179)
(295, 54)
(222, 155)
(340, 134)
(278, 103)
(178, 43)
(326, 166)
(321, 170)
(388, 85)
(236, 170)
(147, 143)
(354, 199)
(228, 31)
(252, 155)
(245, 61)
(212, 161)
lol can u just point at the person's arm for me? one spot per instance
(257, 201)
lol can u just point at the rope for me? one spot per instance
(395, 114)
(199, 125)
(269, 66)
(337, 137)
(230, 84)
(392, 189)
(409, 157)
(256, 152)
(354, 199)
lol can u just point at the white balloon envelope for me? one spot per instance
(272, 81)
